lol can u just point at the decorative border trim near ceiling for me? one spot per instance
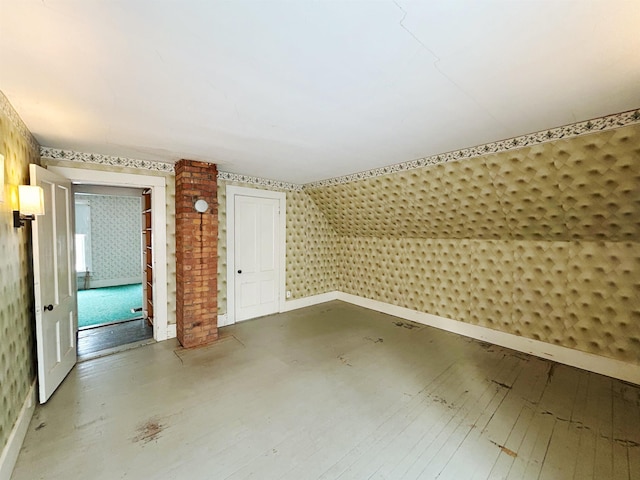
(8, 110)
(260, 182)
(568, 131)
(82, 157)
(100, 159)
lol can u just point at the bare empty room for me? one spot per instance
(371, 240)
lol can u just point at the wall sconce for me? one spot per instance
(201, 206)
(31, 200)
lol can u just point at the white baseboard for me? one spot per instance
(568, 356)
(16, 437)
(289, 305)
(171, 331)
(113, 282)
(223, 320)
(309, 301)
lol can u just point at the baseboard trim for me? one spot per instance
(223, 320)
(171, 331)
(568, 356)
(113, 282)
(310, 301)
(16, 437)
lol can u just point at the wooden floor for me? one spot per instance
(333, 392)
(106, 337)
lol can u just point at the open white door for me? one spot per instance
(53, 277)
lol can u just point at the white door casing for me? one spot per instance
(157, 184)
(54, 280)
(256, 248)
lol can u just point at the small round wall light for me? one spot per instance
(201, 206)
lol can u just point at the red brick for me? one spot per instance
(196, 254)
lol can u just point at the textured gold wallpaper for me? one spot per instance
(170, 212)
(17, 361)
(311, 246)
(541, 242)
(583, 188)
(582, 295)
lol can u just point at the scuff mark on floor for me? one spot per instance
(179, 357)
(521, 356)
(89, 423)
(344, 360)
(506, 450)
(41, 426)
(626, 443)
(149, 431)
(438, 399)
(406, 325)
(504, 385)
(552, 369)
(374, 340)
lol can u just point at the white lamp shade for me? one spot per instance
(201, 206)
(31, 200)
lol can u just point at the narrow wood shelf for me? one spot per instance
(147, 253)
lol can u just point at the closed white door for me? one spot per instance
(257, 275)
(53, 278)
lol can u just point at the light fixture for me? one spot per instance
(201, 206)
(31, 200)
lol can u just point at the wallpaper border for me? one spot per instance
(8, 110)
(607, 122)
(113, 161)
(262, 182)
(85, 157)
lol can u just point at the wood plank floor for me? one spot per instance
(333, 392)
(105, 337)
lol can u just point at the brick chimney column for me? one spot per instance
(196, 254)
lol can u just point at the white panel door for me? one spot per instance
(54, 282)
(257, 275)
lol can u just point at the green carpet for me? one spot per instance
(109, 304)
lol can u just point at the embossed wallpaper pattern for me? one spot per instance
(541, 242)
(17, 362)
(116, 245)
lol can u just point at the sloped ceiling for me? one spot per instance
(582, 188)
(302, 91)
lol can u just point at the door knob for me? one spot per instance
(239, 271)
(48, 307)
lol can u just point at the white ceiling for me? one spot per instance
(303, 91)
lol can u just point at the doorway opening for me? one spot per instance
(111, 236)
(157, 186)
